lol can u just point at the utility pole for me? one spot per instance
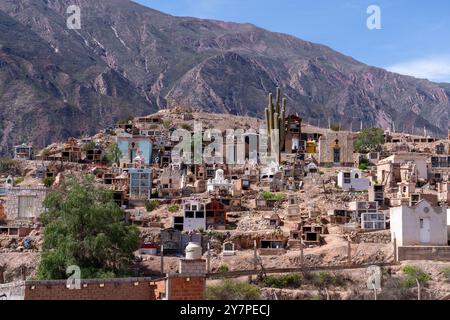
(209, 257)
(326, 292)
(349, 253)
(301, 254)
(418, 289)
(162, 259)
(255, 256)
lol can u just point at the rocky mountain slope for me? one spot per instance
(131, 60)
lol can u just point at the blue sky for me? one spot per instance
(414, 37)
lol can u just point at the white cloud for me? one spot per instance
(435, 68)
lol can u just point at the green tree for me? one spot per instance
(86, 228)
(113, 153)
(369, 140)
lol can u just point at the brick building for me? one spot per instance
(188, 284)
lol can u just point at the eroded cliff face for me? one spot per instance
(130, 60)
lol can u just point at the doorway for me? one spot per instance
(337, 155)
(425, 230)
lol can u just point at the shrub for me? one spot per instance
(48, 181)
(167, 123)
(214, 234)
(414, 274)
(335, 127)
(45, 153)
(18, 180)
(223, 268)
(89, 146)
(186, 126)
(9, 166)
(447, 273)
(113, 154)
(272, 196)
(292, 280)
(233, 290)
(173, 208)
(394, 289)
(126, 120)
(363, 166)
(369, 140)
(155, 194)
(152, 205)
(201, 230)
(323, 279)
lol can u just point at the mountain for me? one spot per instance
(129, 60)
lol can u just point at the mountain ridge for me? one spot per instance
(130, 60)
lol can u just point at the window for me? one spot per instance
(347, 178)
(178, 220)
(189, 214)
(421, 223)
(337, 154)
(199, 214)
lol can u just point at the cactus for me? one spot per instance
(275, 117)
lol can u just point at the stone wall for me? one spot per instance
(383, 236)
(36, 206)
(424, 253)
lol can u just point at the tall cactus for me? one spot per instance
(282, 120)
(277, 101)
(275, 117)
